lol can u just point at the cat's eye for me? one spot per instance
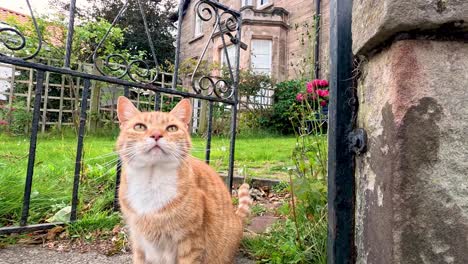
(139, 127)
(172, 128)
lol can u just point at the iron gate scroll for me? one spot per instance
(214, 89)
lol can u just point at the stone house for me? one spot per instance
(279, 34)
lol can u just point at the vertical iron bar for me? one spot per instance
(318, 18)
(117, 183)
(71, 28)
(157, 101)
(32, 147)
(79, 148)
(118, 173)
(341, 197)
(210, 129)
(177, 55)
(234, 108)
(126, 91)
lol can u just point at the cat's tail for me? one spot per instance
(244, 201)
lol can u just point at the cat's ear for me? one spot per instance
(125, 109)
(183, 111)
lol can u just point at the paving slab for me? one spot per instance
(260, 224)
(39, 255)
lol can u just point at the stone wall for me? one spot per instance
(412, 184)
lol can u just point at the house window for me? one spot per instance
(198, 25)
(261, 3)
(260, 57)
(246, 2)
(231, 51)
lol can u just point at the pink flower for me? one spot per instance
(323, 83)
(322, 93)
(315, 83)
(299, 97)
(318, 83)
(310, 87)
(323, 103)
(3, 122)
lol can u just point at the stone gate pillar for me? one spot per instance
(412, 184)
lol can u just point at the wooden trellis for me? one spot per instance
(62, 95)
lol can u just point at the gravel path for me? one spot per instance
(39, 255)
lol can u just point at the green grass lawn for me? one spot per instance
(265, 157)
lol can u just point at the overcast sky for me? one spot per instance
(39, 6)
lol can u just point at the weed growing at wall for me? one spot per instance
(15, 120)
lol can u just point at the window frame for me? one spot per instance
(198, 26)
(270, 58)
(233, 61)
(263, 96)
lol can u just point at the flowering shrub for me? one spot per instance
(313, 95)
(302, 237)
(309, 121)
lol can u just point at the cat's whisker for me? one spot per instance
(198, 147)
(110, 163)
(110, 169)
(115, 161)
(105, 155)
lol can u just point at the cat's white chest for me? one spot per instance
(151, 188)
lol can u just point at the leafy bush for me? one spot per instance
(284, 105)
(255, 122)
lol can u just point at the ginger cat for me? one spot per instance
(177, 208)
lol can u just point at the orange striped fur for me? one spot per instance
(245, 202)
(178, 209)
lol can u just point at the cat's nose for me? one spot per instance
(156, 136)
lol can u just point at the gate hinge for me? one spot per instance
(358, 141)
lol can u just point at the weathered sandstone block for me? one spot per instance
(412, 184)
(374, 21)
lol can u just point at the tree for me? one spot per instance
(157, 13)
(85, 40)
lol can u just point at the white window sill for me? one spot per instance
(265, 6)
(196, 38)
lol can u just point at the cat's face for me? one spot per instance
(152, 138)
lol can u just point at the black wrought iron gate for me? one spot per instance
(343, 140)
(226, 23)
